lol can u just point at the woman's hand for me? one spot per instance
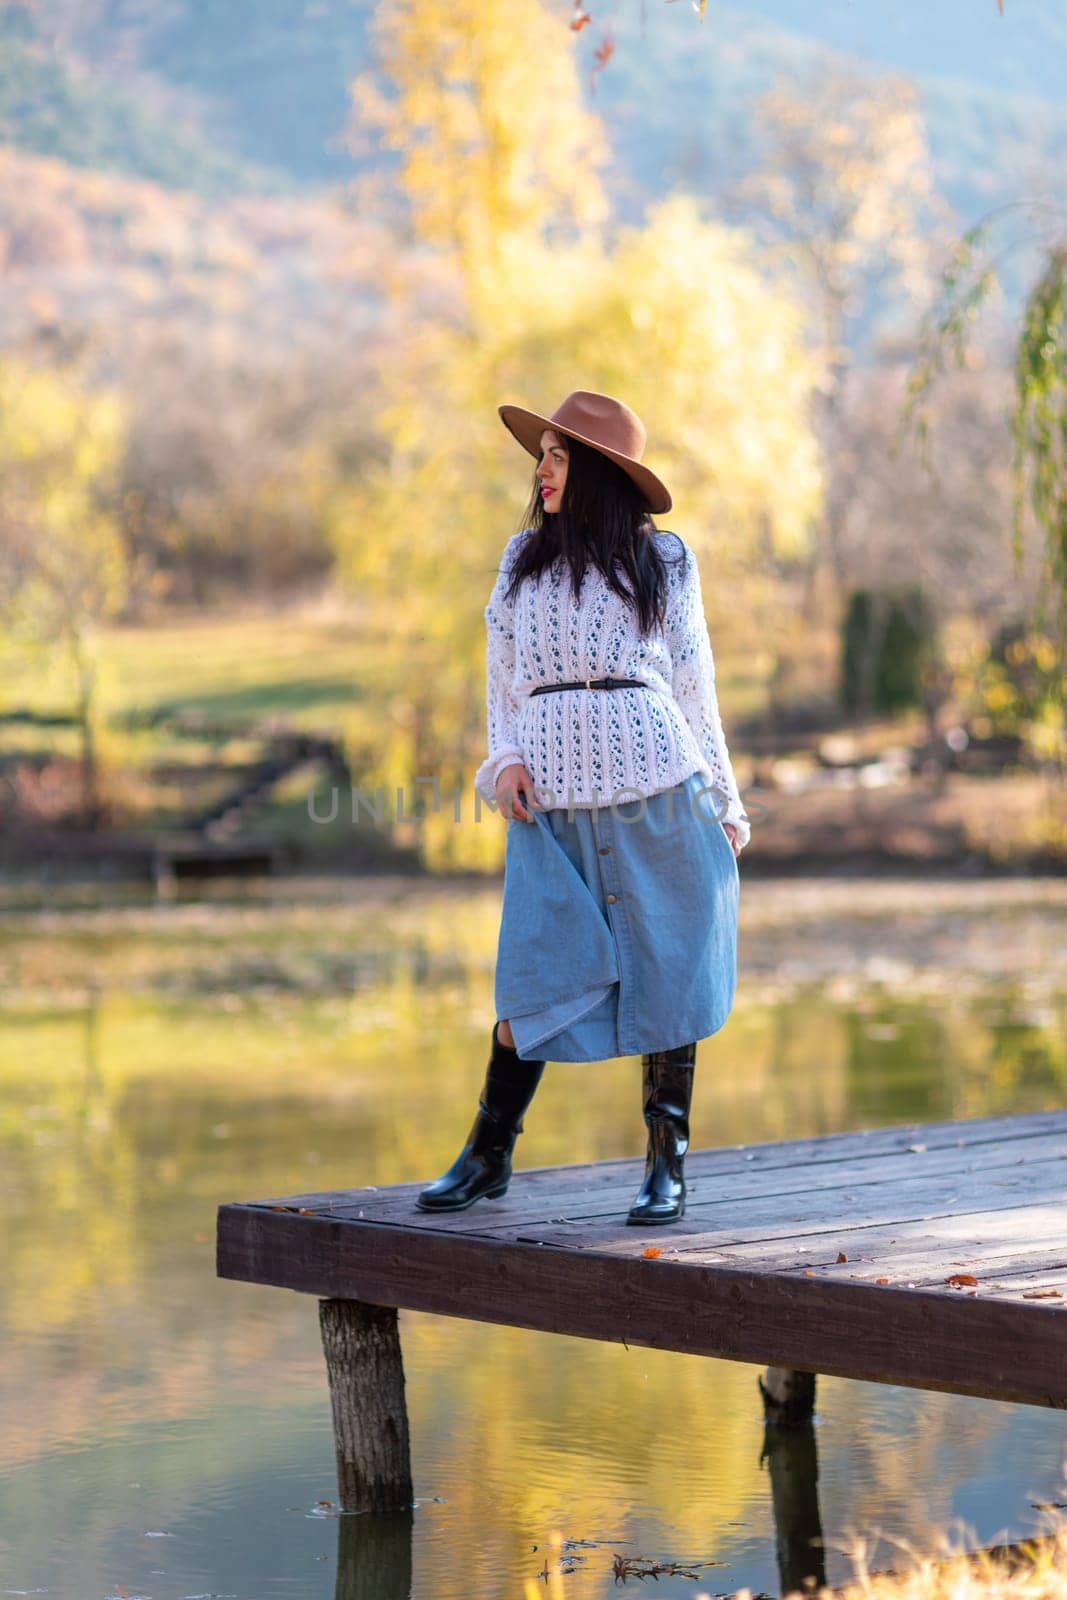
(509, 784)
(731, 834)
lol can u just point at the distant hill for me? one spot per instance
(260, 90)
(245, 284)
(211, 96)
(677, 93)
(52, 103)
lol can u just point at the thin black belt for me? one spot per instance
(592, 683)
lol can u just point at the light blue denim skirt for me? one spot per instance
(618, 932)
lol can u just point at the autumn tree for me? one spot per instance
(513, 285)
(1036, 416)
(493, 152)
(63, 568)
(846, 189)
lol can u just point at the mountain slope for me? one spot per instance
(53, 105)
(263, 89)
(986, 142)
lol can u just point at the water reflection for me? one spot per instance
(793, 1463)
(374, 1557)
(169, 1435)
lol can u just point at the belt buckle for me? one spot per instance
(589, 683)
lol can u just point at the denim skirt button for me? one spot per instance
(578, 984)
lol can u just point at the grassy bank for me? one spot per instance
(186, 703)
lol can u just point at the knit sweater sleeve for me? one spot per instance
(693, 686)
(501, 704)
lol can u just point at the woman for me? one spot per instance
(618, 933)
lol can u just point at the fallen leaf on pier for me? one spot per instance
(960, 1278)
(651, 1250)
(841, 1256)
(881, 1280)
(1042, 1294)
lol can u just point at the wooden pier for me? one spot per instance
(930, 1254)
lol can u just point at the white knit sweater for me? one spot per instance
(584, 746)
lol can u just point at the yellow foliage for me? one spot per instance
(61, 552)
(63, 566)
(681, 317)
(687, 322)
(483, 107)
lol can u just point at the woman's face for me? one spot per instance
(552, 469)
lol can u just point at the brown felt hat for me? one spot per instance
(597, 420)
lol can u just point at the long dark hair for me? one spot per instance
(603, 522)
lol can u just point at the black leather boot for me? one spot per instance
(483, 1166)
(668, 1091)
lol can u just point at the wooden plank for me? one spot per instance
(778, 1237)
(959, 1232)
(585, 1193)
(707, 1228)
(1050, 1290)
(922, 1258)
(589, 1196)
(887, 1334)
(922, 1273)
(821, 1149)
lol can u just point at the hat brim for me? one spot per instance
(528, 427)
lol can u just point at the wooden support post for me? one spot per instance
(788, 1396)
(370, 1420)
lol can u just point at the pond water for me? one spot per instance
(168, 1435)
